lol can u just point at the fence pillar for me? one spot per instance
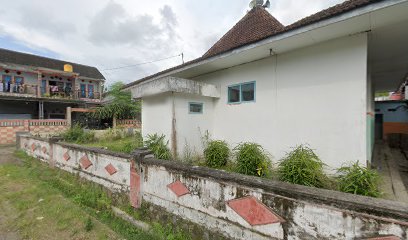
(18, 138)
(136, 177)
(26, 125)
(69, 117)
(114, 120)
(51, 153)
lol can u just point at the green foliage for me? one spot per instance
(216, 154)
(113, 134)
(118, 141)
(94, 200)
(159, 146)
(120, 107)
(251, 159)
(359, 180)
(302, 166)
(76, 134)
(382, 94)
(169, 232)
(89, 224)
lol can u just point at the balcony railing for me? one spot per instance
(87, 95)
(63, 93)
(19, 89)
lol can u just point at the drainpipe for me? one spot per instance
(173, 129)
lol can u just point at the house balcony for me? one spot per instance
(33, 91)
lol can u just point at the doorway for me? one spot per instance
(379, 121)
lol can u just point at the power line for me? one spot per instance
(143, 63)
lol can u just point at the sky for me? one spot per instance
(114, 33)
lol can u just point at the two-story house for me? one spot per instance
(35, 87)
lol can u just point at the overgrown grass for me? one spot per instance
(302, 166)
(76, 134)
(159, 146)
(252, 159)
(91, 197)
(216, 154)
(359, 180)
(123, 145)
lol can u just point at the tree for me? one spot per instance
(119, 105)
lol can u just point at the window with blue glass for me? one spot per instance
(241, 93)
(83, 90)
(195, 108)
(6, 83)
(91, 91)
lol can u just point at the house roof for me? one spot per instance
(255, 25)
(234, 38)
(13, 57)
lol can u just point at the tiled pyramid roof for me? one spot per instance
(255, 25)
(228, 43)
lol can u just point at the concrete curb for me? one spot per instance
(139, 224)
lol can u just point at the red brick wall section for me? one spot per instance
(8, 128)
(394, 127)
(129, 123)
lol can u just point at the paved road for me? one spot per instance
(7, 157)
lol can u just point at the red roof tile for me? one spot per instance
(255, 25)
(258, 31)
(331, 12)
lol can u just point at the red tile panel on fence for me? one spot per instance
(254, 212)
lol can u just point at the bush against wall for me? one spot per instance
(302, 166)
(76, 134)
(216, 154)
(159, 146)
(359, 180)
(251, 159)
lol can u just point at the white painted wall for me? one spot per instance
(315, 95)
(192, 127)
(157, 118)
(157, 115)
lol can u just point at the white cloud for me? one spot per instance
(113, 33)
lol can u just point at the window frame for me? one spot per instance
(22, 80)
(91, 86)
(198, 103)
(240, 93)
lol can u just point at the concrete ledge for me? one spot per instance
(349, 202)
(173, 84)
(93, 149)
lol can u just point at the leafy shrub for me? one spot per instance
(302, 166)
(216, 154)
(252, 159)
(359, 180)
(112, 134)
(77, 134)
(159, 146)
(168, 232)
(89, 224)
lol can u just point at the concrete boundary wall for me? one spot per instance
(237, 206)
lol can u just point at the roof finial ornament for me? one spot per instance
(267, 4)
(259, 3)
